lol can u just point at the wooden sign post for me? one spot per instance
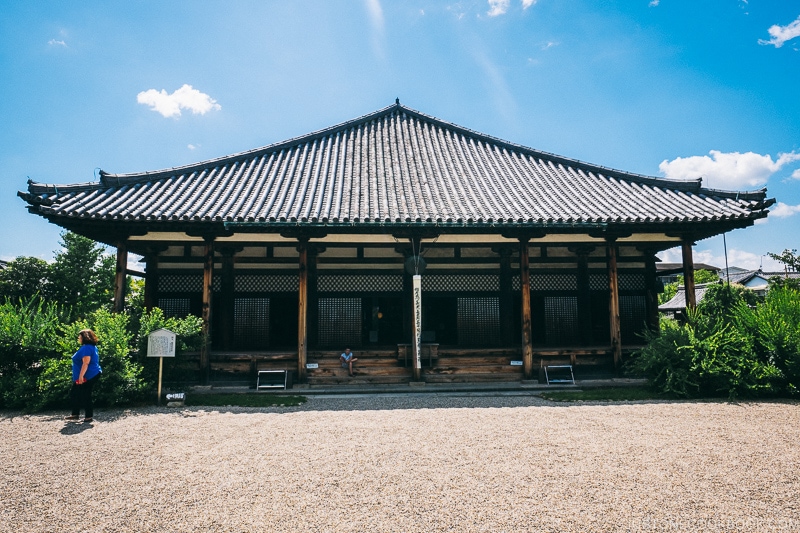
(161, 344)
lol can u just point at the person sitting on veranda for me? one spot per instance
(347, 360)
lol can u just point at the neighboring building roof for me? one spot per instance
(398, 167)
(678, 302)
(678, 267)
(753, 278)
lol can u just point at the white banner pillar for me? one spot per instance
(417, 326)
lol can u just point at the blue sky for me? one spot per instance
(677, 88)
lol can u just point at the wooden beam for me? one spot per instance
(525, 289)
(688, 273)
(120, 278)
(208, 279)
(302, 310)
(613, 302)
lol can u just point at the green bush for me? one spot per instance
(122, 381)
(711, 354)
(775, 328)
(188, 332)
(29, 332)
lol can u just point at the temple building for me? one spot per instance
(292, 251)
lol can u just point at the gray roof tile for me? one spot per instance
(395, 166)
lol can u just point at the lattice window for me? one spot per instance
(598, 282)
(379, 283)
(461, 283)
(554, 282)
(187, 283)
(478, 321)
(632, 317)
(631, 282)
(175, 307)
(339, 322)
(516, 284)
(180, 283)
(266, 283)
(561, 320)
(251, 323)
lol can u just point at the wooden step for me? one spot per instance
(357, 380)
(475, 369)
(379, 371)
(479, 352)
(471, 378)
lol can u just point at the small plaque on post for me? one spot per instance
(161, 343)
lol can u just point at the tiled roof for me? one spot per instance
(394, 167)
(746, 276)
(678, 302)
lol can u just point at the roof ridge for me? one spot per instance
(108, 179)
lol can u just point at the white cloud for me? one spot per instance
(55, 42)
(548, 45)
(375, 13)
(727, 170)
(528, 3)
(796, 174)
(781, 34)
(377, 22)
(736, 258)
(782, 210)
(170, 105)
(497, 7)
(654, 3)
(191, 147)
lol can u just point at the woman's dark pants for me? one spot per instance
(81, 397)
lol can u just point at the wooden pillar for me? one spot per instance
(506, 299)
(302, 311)
(151, 281)
(120, 278)
(688, 273)
(525, 288)
(584, 295)
(228, 301)
(408, 307)
(313, 298)
(208, 279)
(651, 290)
(613, 302)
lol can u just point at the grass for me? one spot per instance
(613, 394)
(243, 400)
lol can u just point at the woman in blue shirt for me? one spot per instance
(85, 373)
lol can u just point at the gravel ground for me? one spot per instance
(412, 463)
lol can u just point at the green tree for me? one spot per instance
(23, 278)
(82, 276)
(788, 258)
